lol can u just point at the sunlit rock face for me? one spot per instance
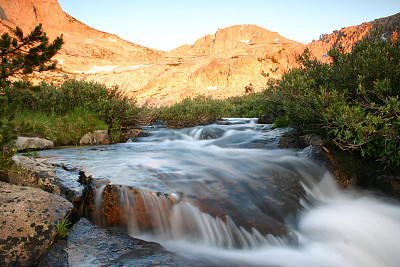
(219, 65)
(348, 36)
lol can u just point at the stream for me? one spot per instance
(226, 195)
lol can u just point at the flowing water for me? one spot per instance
(229, 196)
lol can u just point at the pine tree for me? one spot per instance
(21, 54)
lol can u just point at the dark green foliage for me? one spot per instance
(7, 136)
(249, 106)
(354, 100)
(21, 54)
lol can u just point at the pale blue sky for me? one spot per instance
(167, 24)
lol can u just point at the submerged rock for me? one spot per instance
(91, 245)
(32, 143)
(211, 132)
(28, 223)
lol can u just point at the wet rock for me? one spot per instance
(37, 172)
(267, 118)
(234, 121)
(291, 139)
(120, 206)
(211, 132)
(389, 184)
(223, 122)
(132, 134)
(264, 201)
(327, 160)
(312, 140)
(33, 143)
(28, 218)
(159, 124)
(91, 245)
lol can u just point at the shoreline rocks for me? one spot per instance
(98, 137)
(32, 143)
(28, 223)
(38, 173)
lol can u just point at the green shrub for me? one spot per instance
(110, 104)
(354, 100)
(249, 106)
(61, 129)
(192, 111)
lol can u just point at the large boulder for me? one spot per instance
(28, 223)
(91, 245)
(33, 143)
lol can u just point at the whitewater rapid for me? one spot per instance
(240, 165)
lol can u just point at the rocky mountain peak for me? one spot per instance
(233, 37)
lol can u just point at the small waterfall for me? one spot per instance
(98, 201)
(190, 224)
(157, 208)
(165, 217)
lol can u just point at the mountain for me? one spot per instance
(220, 65)
(223, 64)
(348, 36)
(84, 47)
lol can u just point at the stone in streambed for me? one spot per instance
(211, 132)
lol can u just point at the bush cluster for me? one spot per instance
(353, 100)
(204, 109)
(192, 111)
(110, 104)
(65, 129)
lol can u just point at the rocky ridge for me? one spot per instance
(219, 65)
(348, 36)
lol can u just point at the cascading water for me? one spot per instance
(235, 199)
